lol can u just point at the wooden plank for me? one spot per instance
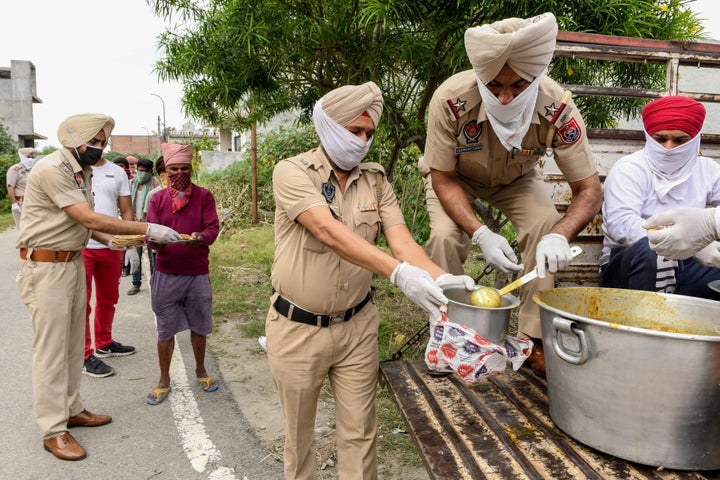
(499, 428)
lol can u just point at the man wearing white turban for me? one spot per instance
(488, 131)
(57, 221)
(330, 211)
(16, 178)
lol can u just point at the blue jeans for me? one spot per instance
(137, 275)
(638, 267)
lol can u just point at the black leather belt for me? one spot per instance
(297, 314)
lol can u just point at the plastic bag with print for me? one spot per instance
(457, 348)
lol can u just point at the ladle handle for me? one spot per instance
(532, 275)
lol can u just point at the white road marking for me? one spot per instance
(196, 443)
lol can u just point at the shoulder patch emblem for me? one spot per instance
(457, 106)
(328, 191)
(472, 131)
(569, 132)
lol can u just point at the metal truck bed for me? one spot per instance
(499, 428)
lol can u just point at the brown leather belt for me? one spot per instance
(48, 255)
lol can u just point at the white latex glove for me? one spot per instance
(16, 208)
(132, 258)
(681, 232)
(162, 234)
(553, 251)
(448, 280)
(710, 255)
(418, 286)
(497, 250)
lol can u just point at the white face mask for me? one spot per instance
(512, 121)
(27, 162)
(344, 148)
(671, 167)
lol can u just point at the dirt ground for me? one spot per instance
(245, 371)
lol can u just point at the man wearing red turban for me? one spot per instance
(669, 172)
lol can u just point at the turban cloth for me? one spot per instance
(27, 151)
(347, 103)
(175, 153)
(674, 113)
(525, 45)
(79, 129)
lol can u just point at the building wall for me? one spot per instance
(140, 144)
(18, 93)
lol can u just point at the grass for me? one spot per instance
(240, 275)
(6, 221)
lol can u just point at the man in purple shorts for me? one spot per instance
(180, 286)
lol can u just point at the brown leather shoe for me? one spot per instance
(536, 360)
(64, 447)
(88, 419)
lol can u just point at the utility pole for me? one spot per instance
(164, 125)
(160, 138)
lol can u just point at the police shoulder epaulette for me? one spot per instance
(299, 161)
(460, 105)
(557, 111)
(372, 167)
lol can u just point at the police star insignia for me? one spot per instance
(550, 110)
(457, 106)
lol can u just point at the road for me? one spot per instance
(193, 435)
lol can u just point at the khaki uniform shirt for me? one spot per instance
(56, 182)
(460, 137)
(17, 178)
(305, 271)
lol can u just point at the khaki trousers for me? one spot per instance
(300, 358)
(55, 296)
(527, 204)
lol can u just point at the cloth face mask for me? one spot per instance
(91, 156)
(344, 148)
(512, 121)
(27, 162)
(671, 167)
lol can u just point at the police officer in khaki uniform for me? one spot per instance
(16, 178)
(330, 211)
(488, 130)
(56, 224)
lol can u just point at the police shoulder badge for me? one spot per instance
(328, 191)
(569, 132)
(472, 131)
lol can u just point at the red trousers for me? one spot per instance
(105, 266)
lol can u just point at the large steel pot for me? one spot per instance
(635, 374)
(489, 323)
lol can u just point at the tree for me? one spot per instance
(7, 145)
(241, 61)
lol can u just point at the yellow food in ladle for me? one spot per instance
(486, 297)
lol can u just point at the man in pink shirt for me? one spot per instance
(180, 285)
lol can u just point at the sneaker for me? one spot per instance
(97, 368)
(115, 349)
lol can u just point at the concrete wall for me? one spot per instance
(17, 95)
(213, 161)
